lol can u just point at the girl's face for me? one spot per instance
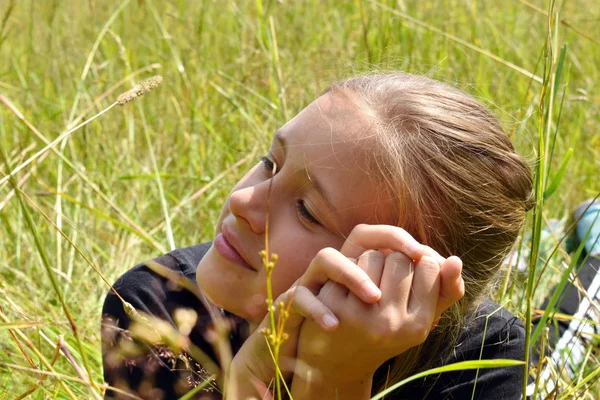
(321, 189)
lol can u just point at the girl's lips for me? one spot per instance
(228, 252)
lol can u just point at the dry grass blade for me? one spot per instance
(4, 30)
(458, 40)
(86, 259)
(53, 143)
(139, 90)
(19, 324)
(177, 209)
(562, 21)
(46, 263)
(41, 357)
(41, 375)
(83, 176)
(77, 368)
(90, 57)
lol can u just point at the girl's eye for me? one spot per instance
(304, 213)
(269, 165)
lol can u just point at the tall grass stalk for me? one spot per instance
(81, 174)
(39, 355)
(274, 335)
(544, 116)
(139, 90)
(46, 263)
(54, 142)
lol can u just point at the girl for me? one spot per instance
(391, 202)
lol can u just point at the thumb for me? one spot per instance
(452, 285)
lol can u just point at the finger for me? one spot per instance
(372, 261)
(396, 280)
(428, 251)
(304, 304)
(425, 251)
(331, 293)
(452, 285)
(364, 237)
(425, 290)
(330, 264)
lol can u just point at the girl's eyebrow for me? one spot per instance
(278, 137)
(321, 190)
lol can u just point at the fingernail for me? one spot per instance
(329, 320)
(371, 290)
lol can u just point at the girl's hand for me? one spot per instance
(313, 297)
(252, 369)
(416, 285)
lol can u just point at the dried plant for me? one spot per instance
(138, 90)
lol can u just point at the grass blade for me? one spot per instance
(459, 366)
(551, 188)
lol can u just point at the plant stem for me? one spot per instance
(53, 143)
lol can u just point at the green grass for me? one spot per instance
(122, 189)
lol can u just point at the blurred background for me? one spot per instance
(153, 174)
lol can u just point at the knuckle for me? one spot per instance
(324, 258)
(429, 251)
(325, 289)
(420, 331)
(360, 228)
(401, 235)
(398, 258)
(371, 256)
(288, 295)
(376, 333)
(301, 292)
(429, 263)
(382, 332)
(326, 253)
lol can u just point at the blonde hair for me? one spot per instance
(461, 188)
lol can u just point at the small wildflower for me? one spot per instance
(139, 90)
(265, 331)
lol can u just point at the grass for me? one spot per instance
(153, 175)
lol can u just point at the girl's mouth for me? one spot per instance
(228, 252)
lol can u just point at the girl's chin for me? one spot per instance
(253, 310)
(231, 296)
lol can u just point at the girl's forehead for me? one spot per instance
(330, 144)
(332, 119)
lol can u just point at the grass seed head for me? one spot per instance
(139, 90)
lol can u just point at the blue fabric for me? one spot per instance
(588, 215)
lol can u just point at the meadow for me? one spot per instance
(152, 175)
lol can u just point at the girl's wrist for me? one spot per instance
(312, 384)
(242, 384)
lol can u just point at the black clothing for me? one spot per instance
(146, 291)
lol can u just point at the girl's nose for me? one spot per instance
(250, 204)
